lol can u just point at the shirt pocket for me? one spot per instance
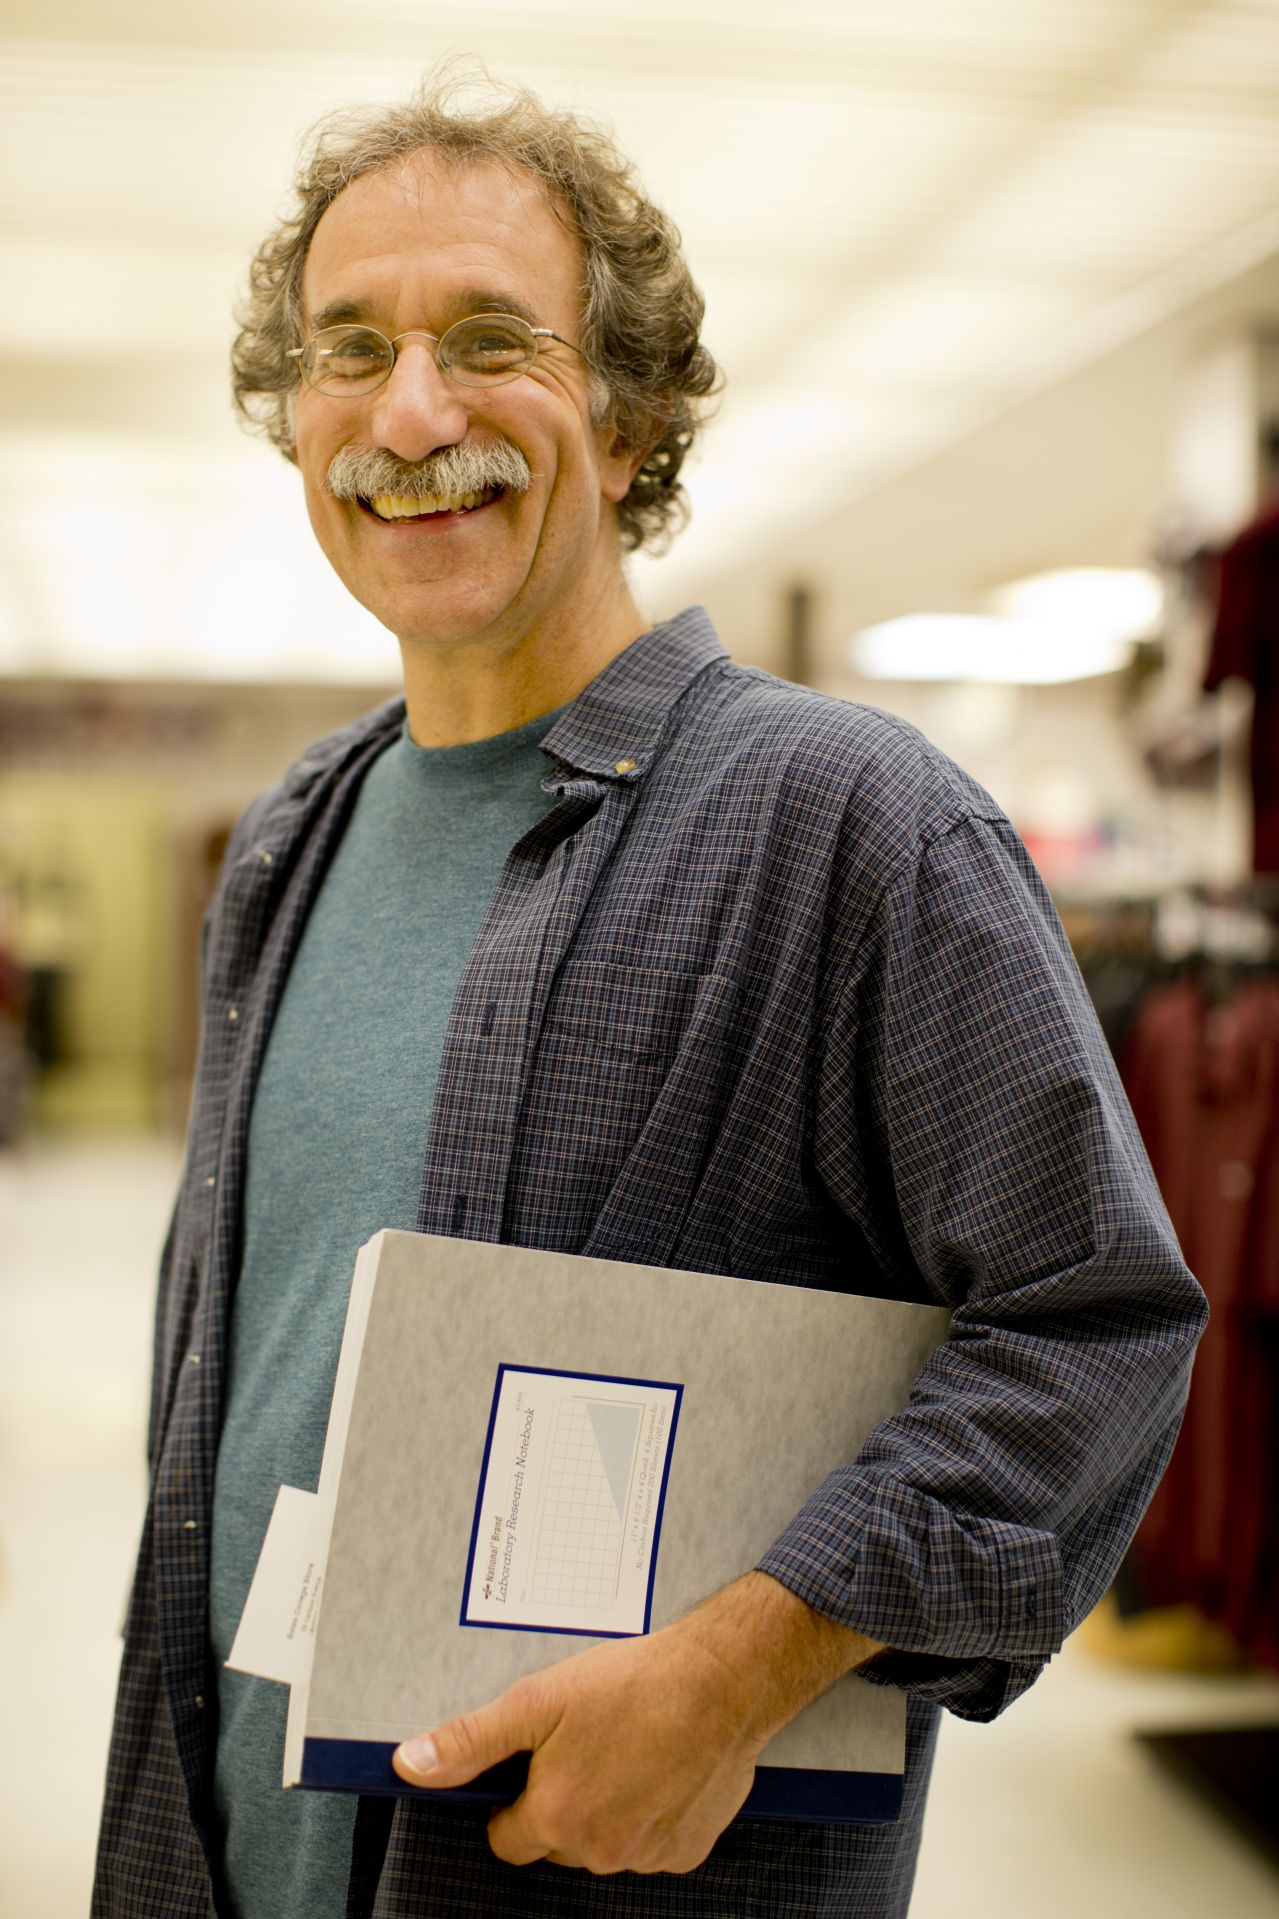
(625, 1013)
(627, 1078)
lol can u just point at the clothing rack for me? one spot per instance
(1187, 989)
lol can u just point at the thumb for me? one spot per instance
(455, 1752)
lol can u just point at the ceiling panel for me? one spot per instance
(932, 332)
(964, 36)
(1223, 52)
(903, 212)
(1123, 193)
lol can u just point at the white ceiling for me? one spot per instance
(907, 215)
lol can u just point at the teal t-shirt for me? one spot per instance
(336, 1143)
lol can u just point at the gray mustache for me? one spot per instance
(360, 475)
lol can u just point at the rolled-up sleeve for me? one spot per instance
(970, 1124)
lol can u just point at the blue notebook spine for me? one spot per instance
(788, 1793)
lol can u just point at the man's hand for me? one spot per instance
(643, 1749)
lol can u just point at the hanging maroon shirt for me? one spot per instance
(1245, 644)
(1204, 1085)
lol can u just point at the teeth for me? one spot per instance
(403, 506)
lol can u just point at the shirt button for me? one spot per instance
(193, 1359)
(199, 1700)
(624, 766)
(211, 1181)
(233, 1012)
(265, 857)
(189, 1525)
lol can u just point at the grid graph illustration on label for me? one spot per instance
(578, 1553)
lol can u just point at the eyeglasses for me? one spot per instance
(486, 349)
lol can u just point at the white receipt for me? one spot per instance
(276, 1635)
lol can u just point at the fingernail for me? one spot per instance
(421, 1755)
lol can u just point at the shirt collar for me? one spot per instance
(612, 728)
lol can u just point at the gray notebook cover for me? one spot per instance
(699, 1414)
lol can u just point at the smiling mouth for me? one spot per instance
(406, 506)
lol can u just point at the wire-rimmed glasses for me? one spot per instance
(485, 349)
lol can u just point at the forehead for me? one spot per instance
(421, 236)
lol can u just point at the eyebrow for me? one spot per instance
(472, 300)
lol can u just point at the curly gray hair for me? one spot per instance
(652, 378)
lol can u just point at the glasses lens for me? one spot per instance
(347, 359)
(487, 348)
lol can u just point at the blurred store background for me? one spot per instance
(996, 287)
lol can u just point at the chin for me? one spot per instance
(436, 626)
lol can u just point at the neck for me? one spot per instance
(476, 688)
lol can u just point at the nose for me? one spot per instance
(418, 410)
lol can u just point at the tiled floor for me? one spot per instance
(1053, 1812)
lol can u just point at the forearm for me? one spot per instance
(777, 1652)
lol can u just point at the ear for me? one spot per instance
(620, 459)
(619, 462)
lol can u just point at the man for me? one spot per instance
(619, 949)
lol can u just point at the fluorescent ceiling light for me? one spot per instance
(1120, 603)
(976, 646)
(1066, 625)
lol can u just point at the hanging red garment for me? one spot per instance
(1245, 644)
(1204, 1084)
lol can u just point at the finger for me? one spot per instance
(456, 1751)
(513, 1837)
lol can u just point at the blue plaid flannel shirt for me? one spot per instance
(773, 990)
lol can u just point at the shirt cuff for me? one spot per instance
(972, 1607)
